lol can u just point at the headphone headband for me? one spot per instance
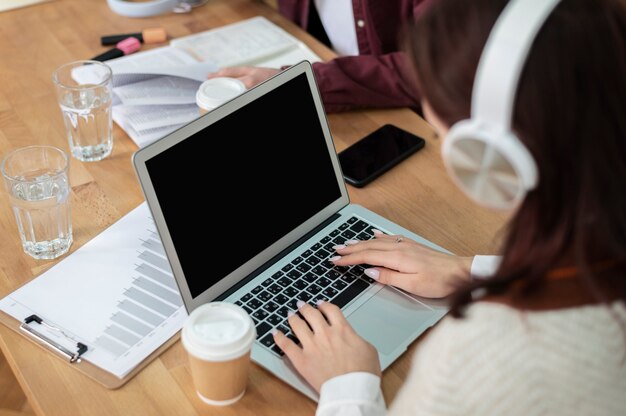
(483, 154)
(503, 58)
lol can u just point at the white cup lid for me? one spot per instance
(215, 92)
(218, 331)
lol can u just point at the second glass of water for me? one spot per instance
(37, 183)
(84, 90)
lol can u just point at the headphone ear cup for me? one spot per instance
(494, 169)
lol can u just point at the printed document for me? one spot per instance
(154, 91)
(116, 294)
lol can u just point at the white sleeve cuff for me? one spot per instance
(484, 266)
(350, 394)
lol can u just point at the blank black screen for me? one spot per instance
(264, 169)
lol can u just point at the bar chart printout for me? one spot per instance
(116, 294)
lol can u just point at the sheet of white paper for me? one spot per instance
(150, 64)
(290, 57)
(164, 57)
(197, 71)
(144, 119)
(15, 4)
(166, 60)
(86, 74)
(144, 137)
(116, 294)
(160, 90)
(239, 43)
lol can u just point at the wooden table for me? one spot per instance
(33, 42)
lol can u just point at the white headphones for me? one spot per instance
(482, 154)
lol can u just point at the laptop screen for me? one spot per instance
(264, 169)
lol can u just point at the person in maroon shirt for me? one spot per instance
(379, 77)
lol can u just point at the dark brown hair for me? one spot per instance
(570, 112)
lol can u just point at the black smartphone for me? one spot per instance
(376, 153)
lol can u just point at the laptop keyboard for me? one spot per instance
(309, 277)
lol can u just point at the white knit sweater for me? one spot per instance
(501, 361)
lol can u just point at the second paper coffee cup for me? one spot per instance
(218, 337)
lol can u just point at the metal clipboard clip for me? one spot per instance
(72, 356)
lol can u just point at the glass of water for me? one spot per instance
(38, 187)
(84, 91)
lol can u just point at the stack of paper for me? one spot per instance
(116, 295)
(154, 91)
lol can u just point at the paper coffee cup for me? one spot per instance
(218, 337)
(215, 92)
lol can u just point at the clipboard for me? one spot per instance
(92, 371)
(109, 308)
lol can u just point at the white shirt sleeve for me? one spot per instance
(352, 394)
(484, 266)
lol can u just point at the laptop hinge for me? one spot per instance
(276, 258)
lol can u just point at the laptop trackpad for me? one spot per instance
(388, 319)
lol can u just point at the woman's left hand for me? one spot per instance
(329, 346)
(249, 75)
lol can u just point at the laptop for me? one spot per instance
(274, 215)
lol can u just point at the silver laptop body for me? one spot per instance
(272, 135)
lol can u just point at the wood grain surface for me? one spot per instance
(35, 40)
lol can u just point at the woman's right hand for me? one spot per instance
(328, 346)
(406, 264)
